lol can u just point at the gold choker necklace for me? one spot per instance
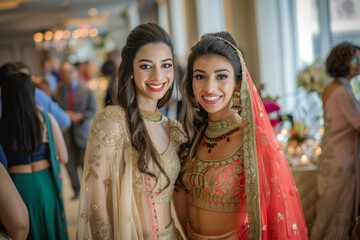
(219, 130)
(151, 116)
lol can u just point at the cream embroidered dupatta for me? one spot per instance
(108, 208)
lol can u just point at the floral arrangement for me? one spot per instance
(299, 146)
(313, 77)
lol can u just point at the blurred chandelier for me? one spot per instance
(60, 39)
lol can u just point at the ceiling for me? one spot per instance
(30, 16)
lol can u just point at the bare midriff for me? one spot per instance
(212, 223)
(163, 212)
(30, 168)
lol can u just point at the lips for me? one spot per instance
(211, 99)
(156, 87)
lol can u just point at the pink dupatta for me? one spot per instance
(271, 206)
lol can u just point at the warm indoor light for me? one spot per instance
(304, 159)
(38, 37)
(92, 84)
(93, 32)
(58, 34)
(318, 151)
(48, 35)
(284, 131)
(84, 32)
(66, 34)
(321, 130)
(92, 12)
(76, 33)
(291, 149)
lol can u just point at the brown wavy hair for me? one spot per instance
(337, 63)
(195, 122)
(126, 93)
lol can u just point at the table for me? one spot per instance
(305, 179)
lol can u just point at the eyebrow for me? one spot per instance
(147, 60)
(216, 71)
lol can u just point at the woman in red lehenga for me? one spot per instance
(237, 178)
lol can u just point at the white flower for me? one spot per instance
(313, 77)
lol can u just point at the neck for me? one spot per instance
(218, 116)
(149, 106)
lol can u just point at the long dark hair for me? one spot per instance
(337, 63)
(194, 122)
(126, 93)
(20, 125)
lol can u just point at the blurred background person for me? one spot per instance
(48, 72)
(45, 102)
(78, 100)
(108, 70)
(83, 71)
(34, 146)
(338, 167)
(114, 56)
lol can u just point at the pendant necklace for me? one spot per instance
(216, 131)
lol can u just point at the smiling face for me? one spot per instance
(213, 85)
(153, 74)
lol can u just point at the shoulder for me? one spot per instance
(41, 98)
(113, 113)
(177, 130)
(332, 90)
(110, 126)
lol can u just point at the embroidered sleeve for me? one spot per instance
(177, 131)
(103, 164)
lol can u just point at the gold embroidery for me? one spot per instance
(214, 185)
(94, 160)
(169, 161)
(110, 136)
(101, 228)
(250, 164)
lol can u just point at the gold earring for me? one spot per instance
(236, 101)
(195, 105)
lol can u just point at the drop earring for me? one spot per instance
(236, 102)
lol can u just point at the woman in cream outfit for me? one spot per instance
(131, 161)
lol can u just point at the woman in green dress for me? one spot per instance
(34, 146)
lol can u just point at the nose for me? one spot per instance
(156, 74)
(210, 85)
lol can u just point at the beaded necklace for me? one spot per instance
(219, 130)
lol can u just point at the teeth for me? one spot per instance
(155, 86)
(211, 98)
